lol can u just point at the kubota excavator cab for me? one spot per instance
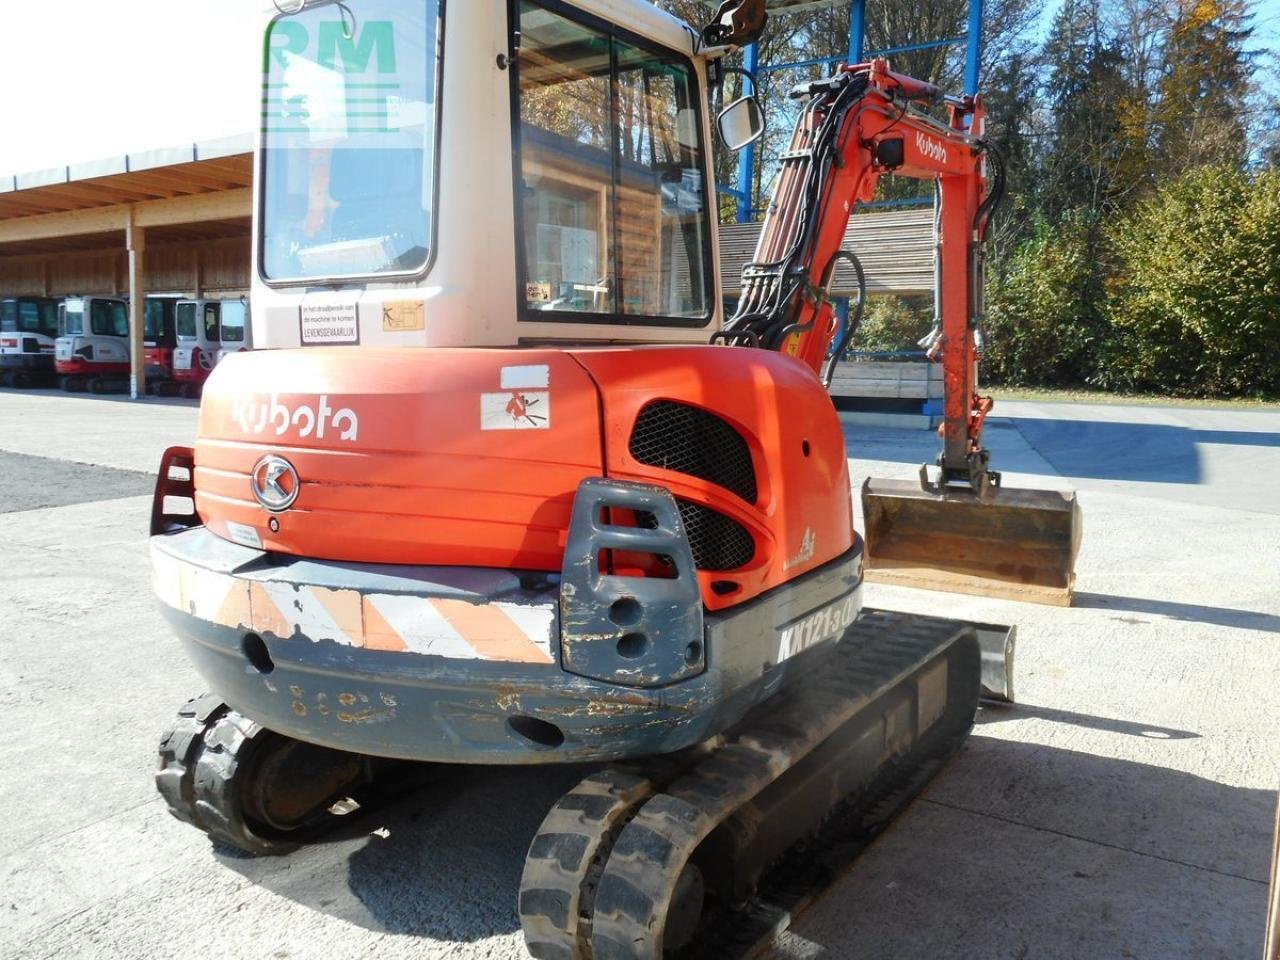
(486, 492)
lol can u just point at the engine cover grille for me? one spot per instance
(716, 541)
(685, 439)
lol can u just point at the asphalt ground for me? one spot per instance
(1123, 809)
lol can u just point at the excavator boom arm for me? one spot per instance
(856, 127)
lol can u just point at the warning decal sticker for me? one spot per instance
(515, 410)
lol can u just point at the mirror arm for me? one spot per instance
(743, 72)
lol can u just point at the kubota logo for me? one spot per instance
(256, 416)
(931, 148)
(275, 483)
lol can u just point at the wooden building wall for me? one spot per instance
(219, 267)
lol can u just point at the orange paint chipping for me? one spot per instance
(267, 617)
(379, 634)
(346, 609)
(234, 611)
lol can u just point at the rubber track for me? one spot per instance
(643, 859)
(793, 884)
(557, 887)
(199, 761)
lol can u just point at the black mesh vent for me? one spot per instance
(676, 436)
(717, 542)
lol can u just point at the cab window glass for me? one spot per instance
(48, 318)
(211, 322)
(29, 316)
(156, 313)
(234, 316)
(185, 321)
(612, 199)
(349, 121)
(107, 318)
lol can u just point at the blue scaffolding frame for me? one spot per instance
(972, 39)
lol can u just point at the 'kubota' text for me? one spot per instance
(256, 416)
(931, 148)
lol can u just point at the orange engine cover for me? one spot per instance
(404, 456)
(472, 457)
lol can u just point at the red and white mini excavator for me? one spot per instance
(501, 485)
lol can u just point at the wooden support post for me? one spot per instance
(135, 241)
(198, 280)
(1271, 948)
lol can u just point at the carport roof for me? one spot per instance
(209, 166)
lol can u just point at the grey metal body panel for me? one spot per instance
(39, 362)
(425, 707)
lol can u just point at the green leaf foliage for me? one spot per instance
(1195, 303)
(893, 323)
(1043, 326)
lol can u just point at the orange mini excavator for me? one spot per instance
(505, 487)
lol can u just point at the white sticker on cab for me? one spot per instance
(515, 410)
(244, 535)
(532, 377)
(330, 323)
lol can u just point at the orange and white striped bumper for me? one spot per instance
(267, 603)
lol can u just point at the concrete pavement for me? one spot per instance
(1123, 809)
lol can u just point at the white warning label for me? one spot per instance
(515, 410)
(330, 323)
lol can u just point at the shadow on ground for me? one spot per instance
(36, 483)
(445, 864)
(1085, 449)
(1021, 850)
(1189, 612)
(1018, 711)
(1147, 452)
(122, 397)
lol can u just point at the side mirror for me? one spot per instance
(741, 123)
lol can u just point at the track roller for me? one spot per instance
(74, 384)
(630, 866)
(254, 789)
(102, 385)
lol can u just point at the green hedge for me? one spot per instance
(1195, 307)
(1179, 296)
(1043, 326)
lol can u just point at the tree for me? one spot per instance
(1092, 156)
(1194, 303)
(1204, 92)
(1044, 321)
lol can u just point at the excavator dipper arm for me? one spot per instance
(856, 127)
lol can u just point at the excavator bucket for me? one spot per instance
(1014, 544)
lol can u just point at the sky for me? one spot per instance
(90, 79)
